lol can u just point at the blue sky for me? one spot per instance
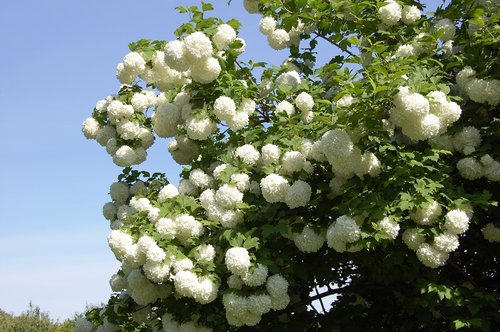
(58, 58)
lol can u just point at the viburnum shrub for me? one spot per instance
(370, 180)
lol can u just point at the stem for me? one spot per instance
(335, 44)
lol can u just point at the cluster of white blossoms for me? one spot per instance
(486, 91)
(392, 12)
(465, 141)
(491, 232)
(420, 117)
(342, 233)
(248, 310)
(472, 169)
(123, 135)
(280, 39)
(309, 240)
(437, 252)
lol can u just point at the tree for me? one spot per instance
(370, 180)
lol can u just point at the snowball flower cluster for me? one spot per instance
(390, 227)
(280, 39)
(421, 118)
(477, 89)
(390, 13)
(308, 240)
(225, 110)
(342, 232)
(447, 28)
(473, 169)
(237, 260)
(410, 14)
(427, 214)
(491, 232)
(456, 221)
(202, 289)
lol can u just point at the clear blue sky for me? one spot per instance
(58, 58)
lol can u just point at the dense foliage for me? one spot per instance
(34, 320)
(370, 172)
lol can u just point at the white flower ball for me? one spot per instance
(166, 227)
(257, 277)
(446, 242)
(270, 154)
(285, 107)
(308, 240)
(491, 233)
(456, 221)
(109, 211)
(186, 187)
(175, 56)
(274, 188)
(278, 39)
(90, 128)
(241, 181)
(447, 27)
(390, 14)
(206, 70)
(298, 194)
(344, 230)
(200, 128)
(304, 102)
(168, 191)
(427, 214)
(251, 6)
(185, 283)
(412, 238)
(277, 286)
(234, 282)
(470, 169)
(410, 14)
(119, 191)
(345, 101)
(125, 156)
(389, 226)
(238, 121)
(224, 108)
(267, 25)
(205, 292)
(290, 78)
(224, 36)
(292, 161)
(104, 134)
(205, 252)
(228, 196)
(187, 226)
(199, 178)
(248, 154)
(197, 46)
(237, 260)
(430, 256)
(134, 62)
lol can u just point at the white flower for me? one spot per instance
(118, 111)
(427, 214)
(257, 277)
(166, 227)
(206, 71)
(119, 191)
(156, 272)
(298, 194)
(285, 107)
(205, 252)
(186, 187)
(470, 168)
(491, 233)
(467, 140)
(304, 102)
(292, 161)
(390, 13)
(109, 211)
(228, 196)
(308, 240)
(224, 36)
(412, 238)
(405, 50)
(491, 168)
(277, 286)
(280, 302)
(447, 27)
(104, 134)
(83, 325)
(197, 46)
(183, 150)
(456, 221)
(205, 291)
(237, 260)
(410, 14)
(431, 257)
(345, 101)
(248, 154)
(241, 181)
(199, 178)
(187, 226)
(238, 121)
(90, 128)
(224, 108)
(168, 191)
(134, 62)
(234, 282)
(446, 242)
(128, 130)
(185, 283)
(344, 230)
(290, 78)
(389, 226)
(259, 304)
(274, 188)
(125, 156)
(175, 56)
(267, 25)
(182, 265)
(125, 75)
(120, 243)
(251, 6)
(278, 39)
(140, 204)
(200, 128)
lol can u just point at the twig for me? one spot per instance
(335, 44)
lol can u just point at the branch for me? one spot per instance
(335, 44)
